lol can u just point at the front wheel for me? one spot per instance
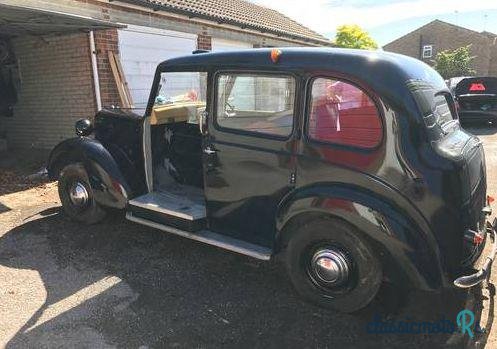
(330, 265)
(77, 197)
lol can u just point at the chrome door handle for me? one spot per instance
(209, 151)
(202, 122)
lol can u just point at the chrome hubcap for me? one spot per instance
(78, 194)
(330, 267)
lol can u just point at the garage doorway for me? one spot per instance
(142, 49)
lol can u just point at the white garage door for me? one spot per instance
(220, 45)
(142, 48)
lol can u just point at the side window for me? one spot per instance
(258, 103)
(341, 113)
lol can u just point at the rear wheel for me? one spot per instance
(330, 265)
(77, 197)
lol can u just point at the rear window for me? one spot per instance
(341, 113)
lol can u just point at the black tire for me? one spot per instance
(89, 212)
(364, 269)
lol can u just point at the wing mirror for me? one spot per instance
(83, 127)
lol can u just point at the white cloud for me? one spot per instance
(324, 16)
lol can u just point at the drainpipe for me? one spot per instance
(96, 83)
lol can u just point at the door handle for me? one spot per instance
(202, 122)
(209, 151)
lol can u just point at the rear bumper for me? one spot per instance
(484, 272)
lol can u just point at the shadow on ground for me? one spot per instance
(179, 293)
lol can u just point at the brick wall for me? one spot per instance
(105, 41)
(56, 90)
(204, 42)
(445, 36)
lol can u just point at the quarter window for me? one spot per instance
(256, 103)
(341, 113)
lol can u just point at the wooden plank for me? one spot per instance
(123, 79)
(117, 78)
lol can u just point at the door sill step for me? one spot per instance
(211, 238)
(180, 206)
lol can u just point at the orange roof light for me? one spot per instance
(490, 199)
(275, 55)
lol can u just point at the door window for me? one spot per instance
(256, 103)
(341, 113)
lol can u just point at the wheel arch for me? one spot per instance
(111, 188)
(408, 253)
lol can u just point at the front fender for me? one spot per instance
(408, 250)
(110, 187)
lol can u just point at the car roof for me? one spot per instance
(383, 71)
(262, 56)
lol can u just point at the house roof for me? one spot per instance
(240, 13)
(439, 22)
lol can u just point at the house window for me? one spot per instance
(427, 51)
(341, 113)
(256, 103)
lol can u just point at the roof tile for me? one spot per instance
(242, 13)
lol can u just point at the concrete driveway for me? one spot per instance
(118, 284)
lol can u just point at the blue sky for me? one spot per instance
(387, 20)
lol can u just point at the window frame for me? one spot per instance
(287, 74)
(307, 114)
(427, 48)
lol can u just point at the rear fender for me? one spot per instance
(409, 253)
(110, 187)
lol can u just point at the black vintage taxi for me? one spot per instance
(349, 164)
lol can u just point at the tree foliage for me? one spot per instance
(454, 63)
(353, 36)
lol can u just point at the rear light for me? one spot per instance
(473, 237)
(478, 239)
(477, 86)
(490, 199)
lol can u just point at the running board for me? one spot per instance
(211, 238)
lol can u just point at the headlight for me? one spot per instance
(83, 127)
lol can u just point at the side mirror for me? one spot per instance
(83, 127)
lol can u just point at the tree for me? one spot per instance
(454, 63)
(353, 36)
